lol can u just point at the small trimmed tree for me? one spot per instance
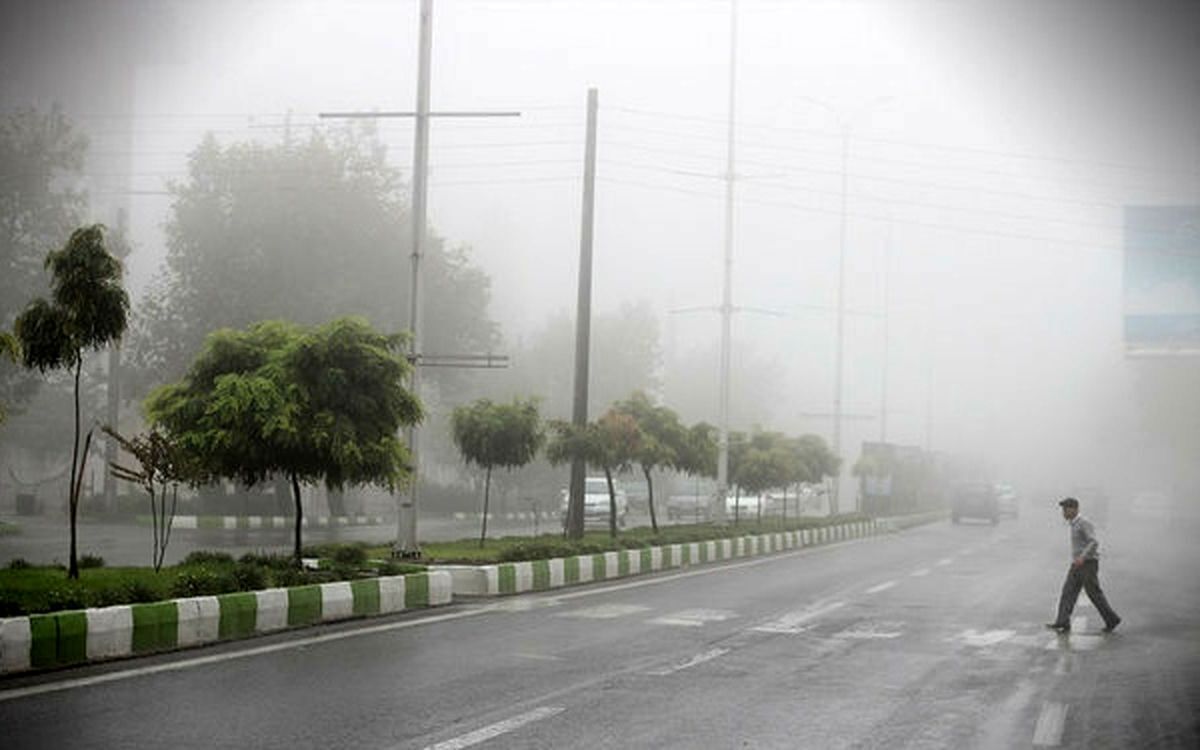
(88, 309)
(610, 443)
(662, 444)
(490, 435)
(323, 404)
(11, 350)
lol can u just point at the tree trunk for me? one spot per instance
(612, 504)
(650, 498)
(299, 518)
(72, 492)
(487, 486)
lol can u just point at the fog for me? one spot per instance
(991, 148)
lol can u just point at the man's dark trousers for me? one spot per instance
(1086, 577)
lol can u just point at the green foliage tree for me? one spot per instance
(663, 440)
(162, 466)
(10, 349)
(88, 309)
(322, 404)
(41, 157)
(610, 443)
(302, 230)
(490, 435)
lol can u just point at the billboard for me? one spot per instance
(1162, 280)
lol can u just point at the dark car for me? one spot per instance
(974, 500)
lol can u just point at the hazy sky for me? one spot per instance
(991, 147)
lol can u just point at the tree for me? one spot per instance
(41, 156)
(490, 435)
(662, 443)
(88, 309)
(11, 350)
(609, 443)
(302, 230)
(322, 404)
(162, 466)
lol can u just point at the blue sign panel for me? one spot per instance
(1162, 280)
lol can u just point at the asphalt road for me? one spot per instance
(928, 639)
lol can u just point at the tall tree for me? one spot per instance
(303, 230)
(312, 405)
(88, 309)
(490, 435)
(41, 157)
(662, 442)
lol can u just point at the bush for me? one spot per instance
(91, 561)
(250, 576)
(67, 597)
(204, 581)
(354, 556)
(207, 557)
(271, 562)
(19, 563)
(546, 549)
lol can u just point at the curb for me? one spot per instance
(74, 637)
(543, 575)
(264, 522)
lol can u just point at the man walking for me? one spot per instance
(1084, 572)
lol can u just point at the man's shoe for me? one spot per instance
(1113, 626)
(1059, 627)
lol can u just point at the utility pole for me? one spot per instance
(583, 316)
(718, 513)
(883, 396)
(406, 515)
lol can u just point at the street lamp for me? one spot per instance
(845, 123)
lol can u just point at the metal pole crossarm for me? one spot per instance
(452, 113)
(461, 360)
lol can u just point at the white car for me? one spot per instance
(596, 508)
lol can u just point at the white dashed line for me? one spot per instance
(881, 587)
(919, 572)
(604, 611)
(945, 561)
(694, 618)
(1049, 729)
(795, 622)
(697, 659)
(495, 730)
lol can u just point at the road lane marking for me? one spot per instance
(986, 638)
(538, 657)
(1049, 729)
(697, 659)
(694, 618)
(796, 622)
(604, 611)
(871, 630)
(881, 587)
(492, 731)
(919, 572)
(945, 561)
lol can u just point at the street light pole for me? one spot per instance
(727, 285)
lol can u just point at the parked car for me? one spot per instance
(695, 508)
(596, 508)
(1007, 501)
(974, 500)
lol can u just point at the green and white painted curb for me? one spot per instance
(74, 637)
(542, 575)
(266, 522)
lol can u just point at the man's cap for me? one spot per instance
(1069, 502)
